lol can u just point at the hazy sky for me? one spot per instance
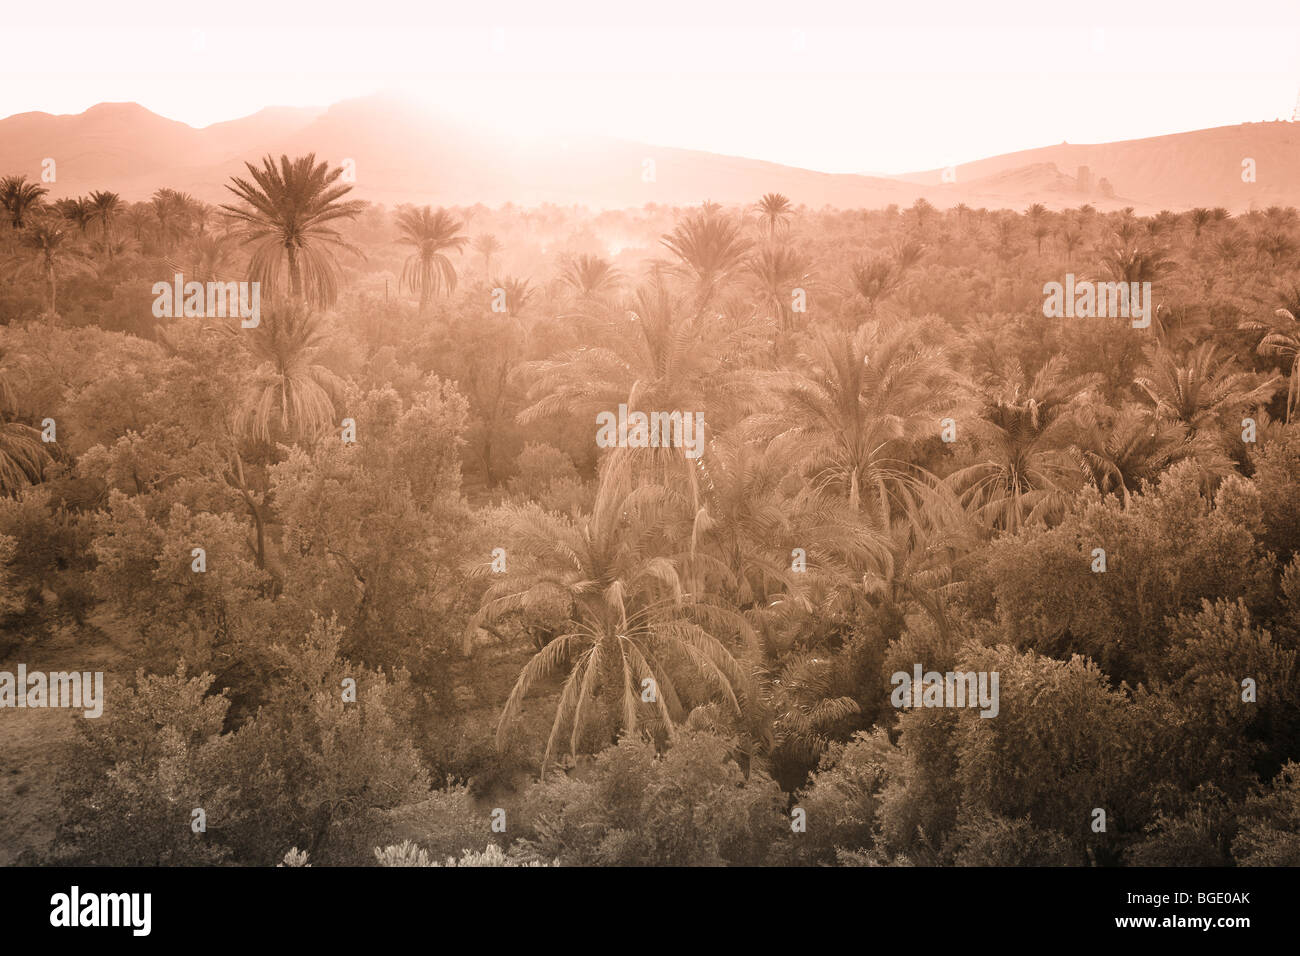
(849, 86)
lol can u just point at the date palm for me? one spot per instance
(849, 412)
(290, 396)
(710, 247)
(1023, 433)
(590, 276)
(22, 453)
(78, 211)
(628, 623)
(105, 207)
(514, 292)
(775, 210)
(170, 208)
(655, 354)
(874, 280)
(428, 268)
(778, 270)
(1200, 390)
(1129, 262)
(1282, 339)
(487, 246)
(1071, 239)
(1200, 217)
(1137, 446)
(749, 521)
(286, 212)
(44, 248)
(19, 198)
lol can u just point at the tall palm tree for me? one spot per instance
(1071, 239)
(18, 198)
(874, 280)
(428, 268)
(1200, 390)
(779, 270)
(1200, 217)
(285, 211)
(656, 354)
(209, 257)
(516, 292)
(487, 246)
(775, 210)
(749, 521)
(44, 248)
(711, 248)
(1129, 262)
(169, 208)
(105, 207)
(22, 453)
(1282, 339)
(1136, 447)
(136, 218)
(78, 211)
(590, 276)
(290, 396)
(628, 618)
(1038, 228)
(1024, 433)
(850, 411)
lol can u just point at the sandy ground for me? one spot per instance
(33, 743)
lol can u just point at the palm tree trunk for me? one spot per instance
(295, 274)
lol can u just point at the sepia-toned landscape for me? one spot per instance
(378, 488)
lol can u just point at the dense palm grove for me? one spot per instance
(394, 481)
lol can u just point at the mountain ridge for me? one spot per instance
(405, 153)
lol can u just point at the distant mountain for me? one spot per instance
(1179, 171)
(404, 153)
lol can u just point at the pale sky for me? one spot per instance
(847, 86)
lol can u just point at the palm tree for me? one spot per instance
(775, 210)
(291, 395)
(711, 248)
(778, 271)
(629, 623)
(875, 280)
(1200, 217)
(1282, 339)
(45, 248)
(516, 293)
(1127, 262)
(105, 206)
(1024, 433)
(209, 256)
(1199, 391)
(18, 198)
(590, 276)
(1138, 446)
(428, 268)
(487, 246)
(656, 354)
(136, 219)
(748, 523)
(169, 208)
(1072, 239)
(1038, 228)
(809, 704)
(850, 411)
(78, 211)
(22, 453)
(286, 211)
